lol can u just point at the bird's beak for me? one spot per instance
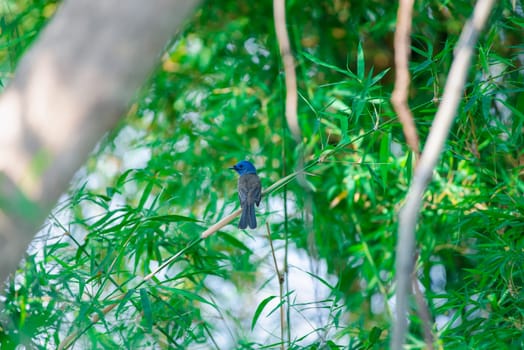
(232, 168)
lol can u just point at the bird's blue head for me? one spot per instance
(244, 167)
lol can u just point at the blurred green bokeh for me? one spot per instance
(218, 97)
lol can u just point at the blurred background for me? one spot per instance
(154, 184)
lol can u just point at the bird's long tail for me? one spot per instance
(248, 218)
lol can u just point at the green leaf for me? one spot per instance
(145, 195)
(379, 76)
(384, 158)
(260, 309)
(172, 218)
(374, 337)
(361, 64)
(124, 300)
(233, 241)
(146, 309)
(314, 59)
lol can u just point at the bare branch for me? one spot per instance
(399, 98)
(281, 278)
(223, 222)
(424, 170)
(279, 14)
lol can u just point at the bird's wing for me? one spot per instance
(253, 183)
(257, 193)
(243, 190)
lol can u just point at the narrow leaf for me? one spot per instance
(259, 310)
(146, 308)
(361, 67)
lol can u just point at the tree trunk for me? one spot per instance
(71, 87)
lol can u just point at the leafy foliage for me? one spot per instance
(157, 182)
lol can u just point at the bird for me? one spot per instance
(249, 193)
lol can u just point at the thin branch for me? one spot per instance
(280, 276)
(279, 14)
(216, 227)
(423, 173)
(399, 98)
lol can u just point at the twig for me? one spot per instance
(399, 98)
(280, 277)
(214, 228)
(423, 173)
